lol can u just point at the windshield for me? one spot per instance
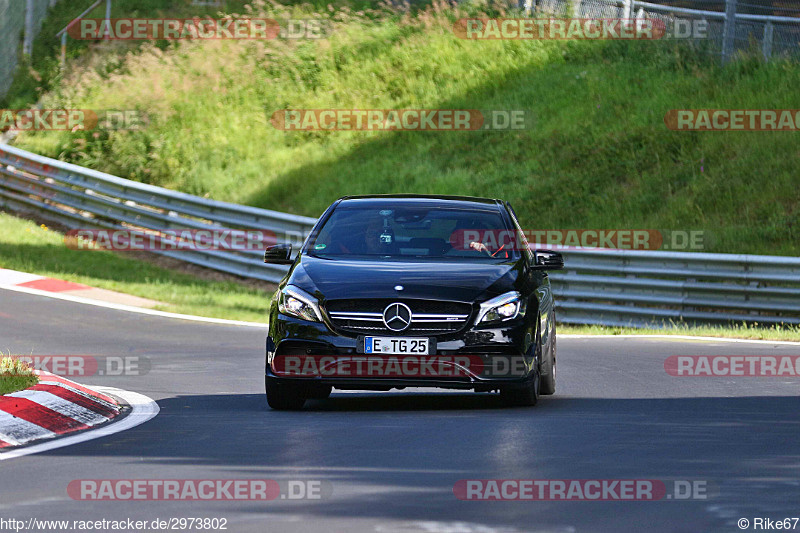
(420, 232)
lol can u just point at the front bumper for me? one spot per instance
(385, 384)
(483, 358)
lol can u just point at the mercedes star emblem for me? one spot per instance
(397, 316)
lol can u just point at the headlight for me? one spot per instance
(298, 303)
(504, 307)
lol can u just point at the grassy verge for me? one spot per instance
(39, 74)
(788, 333)
(15, 375)
(598, 156)
(30, 248)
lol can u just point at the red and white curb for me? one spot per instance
(34, 281)
(57, 406)
(23, 282)
(54, 406)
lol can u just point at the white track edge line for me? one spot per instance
(131, 308)
(143, 409)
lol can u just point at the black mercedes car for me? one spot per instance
(395, 291)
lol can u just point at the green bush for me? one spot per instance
(599, 155)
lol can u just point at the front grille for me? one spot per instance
(428, 317)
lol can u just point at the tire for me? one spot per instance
(284, 397)
(526, 394)
(548, 385)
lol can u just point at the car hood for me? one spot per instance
(331, 279)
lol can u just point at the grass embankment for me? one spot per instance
(40, 73)
(743, 331)
(15, 375)
(599, 155)
(30, 248)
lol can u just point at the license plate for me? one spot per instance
(396, 345)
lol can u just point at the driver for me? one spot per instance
(480, 247)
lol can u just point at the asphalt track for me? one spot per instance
(392, 459)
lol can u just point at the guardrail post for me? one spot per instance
(626, 9)
(639, 19)
(63, 49)
(529, 6)
(766, 45)
(729, 33)
(576, 8)
(65, 30)
(107, 34)
(27, 45)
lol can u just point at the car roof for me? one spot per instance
(380, 199)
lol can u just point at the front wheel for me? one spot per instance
(526, 395)
(549, 381)
(283, 396)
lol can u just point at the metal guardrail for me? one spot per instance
(727, 30)
(63, 33)
(598, 286)
(642, 288)
(80, 198)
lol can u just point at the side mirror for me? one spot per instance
(279, 254)
(548, 260)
